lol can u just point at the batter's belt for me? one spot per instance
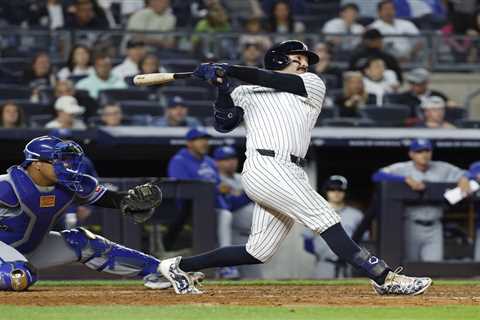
(301, 162)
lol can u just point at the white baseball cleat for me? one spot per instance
(157, 281)
(182, 282)
(399, 284)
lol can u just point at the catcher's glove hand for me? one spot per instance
(141, 201)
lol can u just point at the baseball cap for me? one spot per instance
(196, 133)
(420, 144)
(372, 34)
(336, 182)
(433, 102)
(175, 101)
(132, 43)
(418, 75)
(69, 105)
(474, 169)
(225, 152)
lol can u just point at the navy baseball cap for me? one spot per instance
(474, 169)
(223, 153)
(175, 101)
(420, 144)
(336, 182)
(196, 133)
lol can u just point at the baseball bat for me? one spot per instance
(151, 79)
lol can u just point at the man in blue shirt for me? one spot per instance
(176, 115)
(193, 163)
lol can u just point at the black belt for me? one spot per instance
(301, 162)
(425, 223)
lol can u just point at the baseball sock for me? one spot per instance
(221, 257)
(344, 247)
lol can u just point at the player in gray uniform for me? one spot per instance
(423, 225)
(327, 263)
(241, 206)
(280, 106)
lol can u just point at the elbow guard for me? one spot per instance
(227, 119)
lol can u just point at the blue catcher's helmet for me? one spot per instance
(65, 156)
(277, 58)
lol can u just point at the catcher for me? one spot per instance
(36, 193)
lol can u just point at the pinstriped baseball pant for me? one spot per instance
(282, 197)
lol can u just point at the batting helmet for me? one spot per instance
(65, 156)
(277, 58)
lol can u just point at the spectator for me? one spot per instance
(102, 79)
(129, 67)
(12, 116)
(176, 115)
(434, 114)
(345, 24)
(423, 222)
(193, 163)
(79, 63)
(111, 115)
(150, 64)
(241, 206)
(327, 264)
(215, 21)
(47, 14)
(297, 7)
(253, 33)
(66, 88)
(67, 111)
(419, 82)
(379, 81)
(354, 95)
(372, 46)
(157, 16)
(324, 67)
(252, 55)
(40, 73)
(281, 19)
(86, 14)
(402, 47)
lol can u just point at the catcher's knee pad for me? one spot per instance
(16, 275)
(101, 254)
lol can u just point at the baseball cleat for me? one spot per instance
(181, 281)
(157, 281)
(399, 284)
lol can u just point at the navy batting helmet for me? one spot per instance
(277, 58)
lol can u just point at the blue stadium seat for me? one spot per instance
(39, 120)
(390, 115)
(141, 107)
(347, 122)
(135, 94)
(180, 65)
(190, 93)
(468, 124)
(15, 92)
(455, 114)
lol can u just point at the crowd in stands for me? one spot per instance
(369, 51)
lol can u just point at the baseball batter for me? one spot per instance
(280, 107)
(35, 194)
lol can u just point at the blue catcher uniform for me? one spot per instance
(28, 212)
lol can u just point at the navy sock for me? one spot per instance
(344, 247)
(221, 257)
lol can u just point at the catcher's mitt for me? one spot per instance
(141, 201)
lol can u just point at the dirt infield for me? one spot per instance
(271, 295)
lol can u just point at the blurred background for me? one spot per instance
(399, 125)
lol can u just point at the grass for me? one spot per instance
(235, 313)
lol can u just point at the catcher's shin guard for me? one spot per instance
(16, 275)
(102, 254)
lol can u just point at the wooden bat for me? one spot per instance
(151, 79)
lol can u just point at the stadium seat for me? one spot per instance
(327, 113)
(15, 92)
(190, 93)
(39, 120)
(468, 124)
(180, 65)
(391, 115)
(77, 78)
(130, 94)
(141, 107)
(455, 114)
(347, 122)
(31, 108)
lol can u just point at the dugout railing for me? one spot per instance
(393, 198)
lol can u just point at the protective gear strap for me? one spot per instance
(276, 80)
(16, 275)
(101, 254)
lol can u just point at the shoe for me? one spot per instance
(181, 281)
(399, 284)
(157, 281)
(230, 273)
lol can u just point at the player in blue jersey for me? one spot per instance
(35, 194)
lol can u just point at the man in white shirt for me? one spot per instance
(67, 110)
(345, 24)
(401, 47)
(129, 67)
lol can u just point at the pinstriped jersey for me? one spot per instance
(278, 120)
